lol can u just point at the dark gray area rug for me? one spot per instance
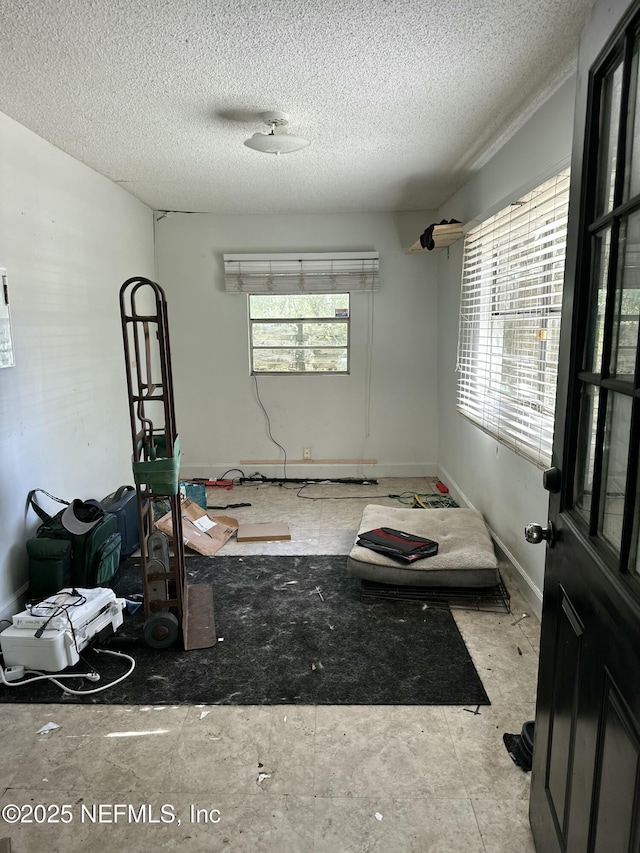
(294, 632)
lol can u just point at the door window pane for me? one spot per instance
(627, 300)
(610, 118)
(614, 474)
(601, 248)
(632, 171)
(635, 546)
(586, 449)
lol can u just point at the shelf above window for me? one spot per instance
(443, 236)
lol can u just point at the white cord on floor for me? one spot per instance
(40, 676)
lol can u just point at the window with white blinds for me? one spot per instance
(510, 306)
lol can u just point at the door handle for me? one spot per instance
(536, 533)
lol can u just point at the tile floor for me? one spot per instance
(284, 779)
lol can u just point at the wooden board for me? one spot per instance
(443, 236)
(309, 462)
(266, 531)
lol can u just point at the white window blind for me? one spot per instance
(319, 272)
(512, 278)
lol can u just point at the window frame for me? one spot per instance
(343, 321)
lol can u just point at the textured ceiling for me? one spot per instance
(399, 99)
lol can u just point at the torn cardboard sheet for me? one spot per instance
(266, 531)
(202, 531)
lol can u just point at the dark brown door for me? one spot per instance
(585, 792)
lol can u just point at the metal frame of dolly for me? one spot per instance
(156, 462)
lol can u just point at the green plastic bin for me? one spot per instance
(158, 474)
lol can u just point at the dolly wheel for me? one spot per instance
(161, 630)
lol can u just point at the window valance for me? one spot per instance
(316, 272)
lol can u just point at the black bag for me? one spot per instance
(94, 558)
(49, 566)
(405, 547)
(123, 504)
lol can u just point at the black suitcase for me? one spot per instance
(124, 505)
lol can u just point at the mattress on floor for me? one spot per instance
(465, 557)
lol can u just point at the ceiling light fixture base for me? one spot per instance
(275, 118)
(272, 142)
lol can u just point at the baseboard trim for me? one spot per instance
(529, 590)
(313, 470)
(14, 604)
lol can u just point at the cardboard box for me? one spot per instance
(202, 531)
(266, 531)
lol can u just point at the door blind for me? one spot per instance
(511, 300)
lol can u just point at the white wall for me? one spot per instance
(68, 238)
(483, 473)
(339, 417)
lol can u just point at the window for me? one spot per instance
(299, 306)
(510, 308)
(299, 332)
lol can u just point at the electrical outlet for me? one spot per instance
(306, 453)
